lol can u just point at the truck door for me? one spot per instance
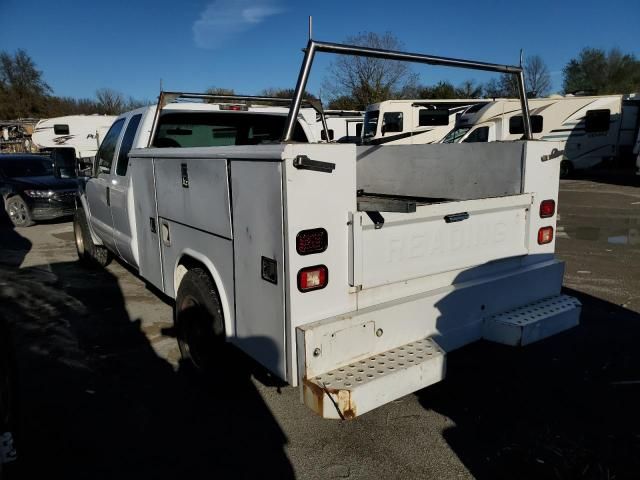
(98, 188)
(120, 187)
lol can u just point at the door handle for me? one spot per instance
(108, 196)
(456, 217)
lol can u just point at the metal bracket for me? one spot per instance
(555, 153)
(302, 162)
(377, 219)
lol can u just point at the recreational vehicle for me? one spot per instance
(402, 122)
(591, 128)
(344, 126)
(82, 133)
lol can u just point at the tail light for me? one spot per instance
(547, 208)
(311, 241)
(545, 235)
(313, 278)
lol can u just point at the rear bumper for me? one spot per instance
(450, 317)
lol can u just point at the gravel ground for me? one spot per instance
(103, 394)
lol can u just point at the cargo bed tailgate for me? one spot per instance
(436, 238)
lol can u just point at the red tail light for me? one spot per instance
(547, 208)
(311, 241)
(545, 235)
(313, 278)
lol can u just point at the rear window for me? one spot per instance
(215, 129)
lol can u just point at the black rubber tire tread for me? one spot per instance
(202, 344)
(94, 255)
(16, 199)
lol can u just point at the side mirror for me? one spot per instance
(85, 167)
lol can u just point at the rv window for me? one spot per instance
(427, 117)
(108, 147)
(61, 129)
(597, 120)
(359, 129)
(480, 134)
(323, 135)
(371, 123)
(517, 128)
(455, 135)
(392, 122)
(127, 143)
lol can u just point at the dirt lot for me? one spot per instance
(103, 394)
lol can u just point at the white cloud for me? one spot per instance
(223, 19)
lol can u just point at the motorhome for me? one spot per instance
(404, 122)
(591, 128)
(350, 271)
(344, 126)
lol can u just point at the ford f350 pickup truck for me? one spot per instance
(350, 271)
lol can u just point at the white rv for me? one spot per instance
(344, 126)
(592, 128)
(83, 133)
(406, 122)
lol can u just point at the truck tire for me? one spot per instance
(8, 404)
(566, 169)
(89, 253)
(18, 212)
(199, 321)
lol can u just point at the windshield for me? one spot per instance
(455, 135)
(26, 167)
(370, 124)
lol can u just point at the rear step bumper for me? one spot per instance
(366, 383)
(361, 386)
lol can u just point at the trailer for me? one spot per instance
(349, 271)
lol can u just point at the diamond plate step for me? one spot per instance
(354, 389)
(533, 322)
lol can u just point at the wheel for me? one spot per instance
(7, 399)
(19, 212)
(88, 252)
(566, 169)
(199, 321)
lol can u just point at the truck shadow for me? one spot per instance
(563, 408)
(97, 402)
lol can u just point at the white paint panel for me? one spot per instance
(411, 245)
(258, 232)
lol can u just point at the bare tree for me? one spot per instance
(368, 80)
(469, 89)
(219, 91)
(110, 102)
(23, 91)
(537, 76)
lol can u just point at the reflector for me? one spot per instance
(313, 278)
(545, 235)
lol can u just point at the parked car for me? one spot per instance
(32, 191)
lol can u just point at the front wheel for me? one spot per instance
(199, 320)
(19, 212)
(88, 252)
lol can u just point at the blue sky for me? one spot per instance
(249, 45)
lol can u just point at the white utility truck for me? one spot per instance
(406, 122)
(350, 271)
(591, 128)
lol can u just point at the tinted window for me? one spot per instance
(392, 122)
(127, 143)
(371, 123)
(455, 135)
(480, 134)
(597, 121)
(108, 147)
(516, 126)
(219, 129)
(433, 117)
(61, 129)
(26, 167)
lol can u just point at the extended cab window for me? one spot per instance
(127, 143)
(597, 120)
(108, 147)
(215, 129)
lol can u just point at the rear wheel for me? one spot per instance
(566, 169)
(19, 212)
(88, 252)
(199, 320)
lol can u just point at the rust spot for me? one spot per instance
(313, 395)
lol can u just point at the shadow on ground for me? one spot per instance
(565, 408)
(97, 402)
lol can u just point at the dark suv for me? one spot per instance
(32, 191)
